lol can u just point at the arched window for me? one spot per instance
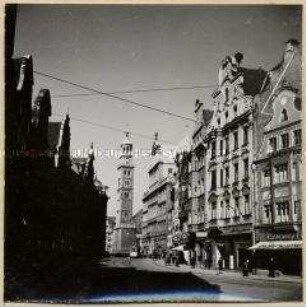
(284, 115)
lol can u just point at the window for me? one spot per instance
(126, 195)
(284, 115)
(226, 115)
(202, 185)
(246, 168)
(169, 171)
(282, 210)
(226, 95)
(227, 209)
(236, 145)
(213, 210)
(226, 175)
(213, 150)
(268, 213)
(119, 182)
(266, 178)
(227, 145)
(218, 121)
(235, 109)
(297, 137)
(247, 207)
(221, 147)
(295, 206)
(272, 144)
(280, 173)
(245, 135)
(285, 140)
(127, 183)
(236, 208)
(213, 180)
(221, 178)
(222, 210)
(236, 172)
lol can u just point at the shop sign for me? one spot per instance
(282, 236)
(236, 229)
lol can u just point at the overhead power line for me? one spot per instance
(88, 122)
(147, 90)
(114, 96)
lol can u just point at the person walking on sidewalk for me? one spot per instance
(272, 267)
(246, 268)
(220, 265)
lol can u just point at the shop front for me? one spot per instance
(283, 244)
(232, 244)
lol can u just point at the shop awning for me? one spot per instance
(201, 234)
(178, 248)
(277, 245)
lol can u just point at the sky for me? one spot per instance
(115, 48)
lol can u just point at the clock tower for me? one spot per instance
(125, 230)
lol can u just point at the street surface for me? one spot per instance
(142, 280)
(233, 287)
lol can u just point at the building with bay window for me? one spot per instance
(278, 167)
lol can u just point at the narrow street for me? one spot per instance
(231, 287)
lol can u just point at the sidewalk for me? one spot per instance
(234, 274)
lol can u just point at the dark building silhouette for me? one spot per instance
(54, 215)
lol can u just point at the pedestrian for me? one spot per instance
(246, 268)
(220, 265)
(272, 267)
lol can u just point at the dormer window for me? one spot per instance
(284, 115)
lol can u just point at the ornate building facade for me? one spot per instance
(278, 165)
(227, 204)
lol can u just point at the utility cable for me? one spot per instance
(114, 96)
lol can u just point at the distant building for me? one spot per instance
(110, 226)
(124, 238)
(158, 205)
(138, 224)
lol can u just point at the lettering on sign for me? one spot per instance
(282, 236)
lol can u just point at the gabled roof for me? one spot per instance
(253, 80)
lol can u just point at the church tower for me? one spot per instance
(125, 231)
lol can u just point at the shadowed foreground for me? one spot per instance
(72, 283)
